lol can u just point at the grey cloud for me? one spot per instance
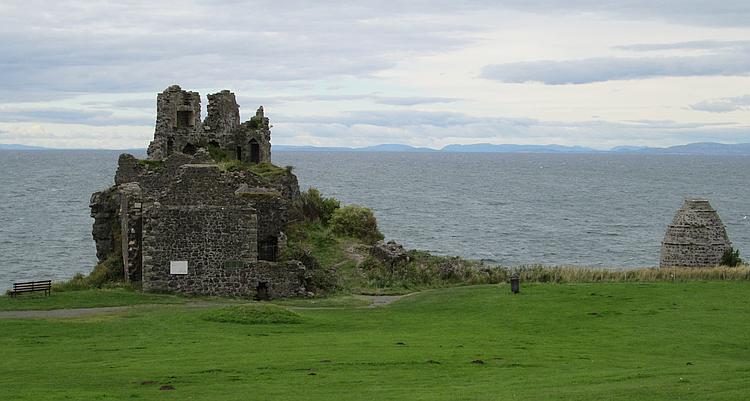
(69, 116)
(423, 128)
(111, 48)
(603, 69)
(83, 46)
(742, 45)
(724, 105)
(412, 101)
(387, 100)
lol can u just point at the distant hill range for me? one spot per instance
(699, 148)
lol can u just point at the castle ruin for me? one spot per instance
(696, 237)
(179, 127)
(182, 221)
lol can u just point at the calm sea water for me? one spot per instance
(593, 209)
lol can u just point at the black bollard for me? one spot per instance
(515, 283)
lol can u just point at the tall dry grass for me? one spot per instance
(565, 274)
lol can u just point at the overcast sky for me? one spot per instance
(425, 73)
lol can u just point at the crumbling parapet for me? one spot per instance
(696, 238)
(178, 122)
(223, 115)
(179, 128)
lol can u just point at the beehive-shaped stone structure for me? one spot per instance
(696, 237)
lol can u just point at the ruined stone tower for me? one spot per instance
(696, 237)
(184, 222)
(179, 128)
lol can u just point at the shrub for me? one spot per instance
(105, 274)
(731, 258)
(319, 279)
(312, 206)
(357, 222)
(252, 314)
(217, 154)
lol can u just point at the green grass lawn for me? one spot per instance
(83, 299)
(687, 341)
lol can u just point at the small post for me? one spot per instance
(515, 283)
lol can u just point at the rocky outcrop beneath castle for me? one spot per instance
(696, 238)
(104, 209)
(389, 252)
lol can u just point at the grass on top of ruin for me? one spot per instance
(615, 341)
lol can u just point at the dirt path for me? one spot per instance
(351, 254)
(58, 313)
(376, 302)
(383, 300)
(80, 312)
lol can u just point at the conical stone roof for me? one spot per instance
(696, 237)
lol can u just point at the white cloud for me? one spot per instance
(725, 105)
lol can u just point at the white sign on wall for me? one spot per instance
(178, 267)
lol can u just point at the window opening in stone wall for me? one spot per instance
(184, 118)
(239, 153)
(254, 151)
(189, 149)
(261, 291)
(268, 248)
(213, 144)
(170, 146)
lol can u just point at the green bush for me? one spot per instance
(319, 280)
(106, 274)
(312, 206)
(217, 154)
(357, 222)
(423, 270)
(253, 314)
(731, 258)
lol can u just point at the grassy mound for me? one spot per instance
(253, 314)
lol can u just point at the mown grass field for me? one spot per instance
(84, 299)
(604, 341)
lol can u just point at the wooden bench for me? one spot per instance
(32, 286)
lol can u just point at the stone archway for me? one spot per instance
(189, 149)
(254, 151)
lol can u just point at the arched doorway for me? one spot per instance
(254, 151)
(189, 149)
(261, 292)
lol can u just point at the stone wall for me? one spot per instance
(223, 116)
(696, 238)
(219, 244)
(178, 122)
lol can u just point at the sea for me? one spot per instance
(597, 210)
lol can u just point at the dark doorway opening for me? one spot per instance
(239, 153)
(268, 248)
(189, 149)
(254, 151)
(213, 144)
(261, 292)
(184, 119)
